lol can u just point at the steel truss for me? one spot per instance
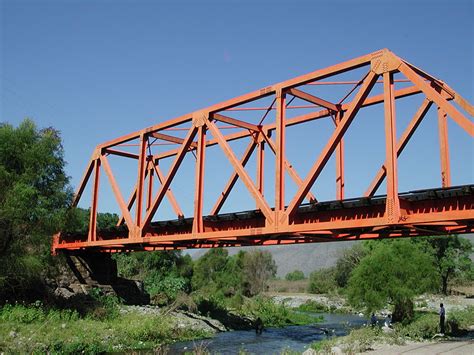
(437, 211)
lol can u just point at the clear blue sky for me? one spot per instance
(96, 70)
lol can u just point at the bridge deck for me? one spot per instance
(426, 212)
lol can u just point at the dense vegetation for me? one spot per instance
(424, 326)
(34, 194)
(376, 273)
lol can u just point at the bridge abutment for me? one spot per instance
(84, 272)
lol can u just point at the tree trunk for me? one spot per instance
(403, 311)
(444, 284)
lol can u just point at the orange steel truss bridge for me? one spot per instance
(442, 210)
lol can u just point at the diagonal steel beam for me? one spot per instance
(118, 195)
(169, 194)
(433, 95)
(407, 134)
(289, 168)
(83, 183)
(233, 179)
(333, 142)
(174, 168)
(261, 203)
(313, 99)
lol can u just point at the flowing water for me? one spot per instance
(274, 340)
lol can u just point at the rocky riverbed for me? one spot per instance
(182, 319)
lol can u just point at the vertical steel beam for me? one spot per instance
(339, 162)
(280, 154)
(92, 236)
(198, 225)
(392, 210)
(407, 134)
(149, 195)
(140, 179)
(444, 148)
(261, 167)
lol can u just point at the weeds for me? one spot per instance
(31, 329)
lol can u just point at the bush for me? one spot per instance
(423, 327)
(273, 314)
(322, 281)
(35, 313)
(295, 275)
(165, 288)
(358, 341)
(313, 306)
(107, 305)
(459, 320)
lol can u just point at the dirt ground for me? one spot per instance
(453, 347)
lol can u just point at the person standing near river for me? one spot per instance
(442, 316)
(373, 320)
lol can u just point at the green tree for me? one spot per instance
(322, 281)
(217, 273)
(348, 261)
(34, 194)
(452, 257)
(295, 275)
(393, 272)
(258, 268)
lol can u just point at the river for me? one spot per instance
(274, 340)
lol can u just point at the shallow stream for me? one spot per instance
(274, 340)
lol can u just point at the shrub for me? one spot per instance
(273, 314)
(107, 305)
(35, 313)
(322, 281)
(313, 306)
(423, 327)
(460, 319)
(295, 275)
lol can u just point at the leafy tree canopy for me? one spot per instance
(452, 258)
(34, 193)
(393, 272)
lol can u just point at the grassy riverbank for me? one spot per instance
(424, 327)
(27, 329)
(36, 328)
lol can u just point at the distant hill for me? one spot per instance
(304, 257)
